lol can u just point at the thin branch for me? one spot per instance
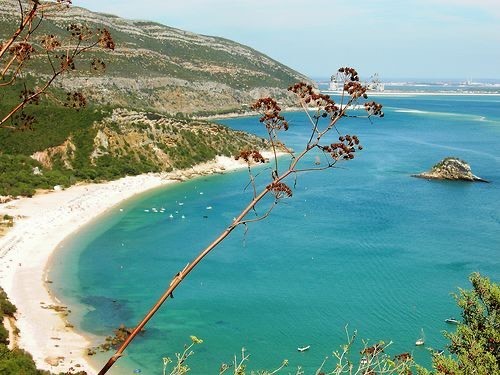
(29, 98)
(26, 21)
(273, 121)
(262, 217)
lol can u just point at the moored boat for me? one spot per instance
(421, 340)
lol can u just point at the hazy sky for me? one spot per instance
(396, 38)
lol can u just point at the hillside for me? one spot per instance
(139, 116)
(159, 68)
(101, 144)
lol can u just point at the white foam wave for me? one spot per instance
(443, 114)
(403, 110)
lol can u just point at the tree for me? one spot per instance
(475, 345)
(60, 58)
(325, 143)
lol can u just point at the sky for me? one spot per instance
(436, 39)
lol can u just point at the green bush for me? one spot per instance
(4, 334)
(17, 362)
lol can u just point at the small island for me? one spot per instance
(450, 168)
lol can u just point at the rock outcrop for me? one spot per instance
(450, 169)
(64, 152)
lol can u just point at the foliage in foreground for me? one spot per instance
(16, 361)
(475, 345)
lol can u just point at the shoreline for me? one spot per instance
(41, 224)
(371, 94)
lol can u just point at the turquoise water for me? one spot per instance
(364, 245)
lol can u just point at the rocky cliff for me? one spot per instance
(159, 68)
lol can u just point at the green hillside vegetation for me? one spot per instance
(16, 361)
(154, 143)
(136, 142)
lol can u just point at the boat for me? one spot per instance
(336, 85)
(452, 321)
(421, 340)
(303, 348)
(375, 84)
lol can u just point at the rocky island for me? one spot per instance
(450, 168)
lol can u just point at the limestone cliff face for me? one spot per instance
(451, 169)
(159, 68)
(163, 143)
(64, 153)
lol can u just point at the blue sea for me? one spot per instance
(363, 247)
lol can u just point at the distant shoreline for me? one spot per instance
(370, 94)
(418, 93)
(41, 224)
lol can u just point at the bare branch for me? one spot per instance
(274, 122)
(24, 22)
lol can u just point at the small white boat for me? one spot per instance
(303, 348)
(452, 321)
(421, 340)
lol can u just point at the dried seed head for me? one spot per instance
(50, 42)
(374, 109)
(345, 148)
(106, 40)
(251, 156)
(271, 116)
(67, 62)
(75, 100)
(280, 189)
(97, 65)
(80, 32)
(22, 51)
(309, 95)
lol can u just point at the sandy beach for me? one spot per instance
(41, 223)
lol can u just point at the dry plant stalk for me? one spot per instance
(374, 360)
(61, 56)
(324, 114)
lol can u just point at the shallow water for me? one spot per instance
(364, 246)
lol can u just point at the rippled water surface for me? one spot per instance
(364, 246)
